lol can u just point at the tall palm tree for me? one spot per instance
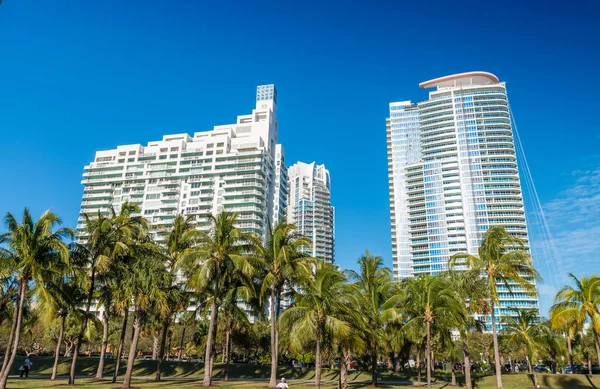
(574, 305)
(104, 238)
(472, 291)
(233, 317)
(284, 263)
(122, 303)
(63, 298)
(352, 342)
(318, 311)
(222, 251)
(36, 247)
(428, 300)
(504, 261)
(566, 323)
(526, 329)
(108, 285)
(373, 286)
(147, 294)
(182, 240)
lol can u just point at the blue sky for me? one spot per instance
(76, 77)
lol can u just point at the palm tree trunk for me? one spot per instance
(277, 312)
(570, 350)
(58, 345)
(428, 355)
(344, 365)
(468, 383)
(597, 345)
(453, 375)
(11, 337)
(137, 325)
(226, 353)
(100, 371)
(161, 353)
(274, 351)
(17, 337)
(83, 327)
(318, 360)
(374, 366)
(395, 362)
(529, 364)
(180, 352)
(214, 309)
(121, 344)
(418, 365)
(496, 349)
(168, 350)
(155, 345)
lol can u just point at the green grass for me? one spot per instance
(192, 372)
(143, 368)
(517, 381)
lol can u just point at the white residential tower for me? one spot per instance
(453, 173)
(310, 209)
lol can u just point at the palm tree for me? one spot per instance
(222, 252)
(108, 284)
(567, 323)
(35, 248)
(504, 261)
(318, 311)
(284, 262)
(122, 302)
(428, 300)
(233, 317)
(63, 298)
(147, 294)
(472, 290)
(352, 342)
(526, 329)
(573, 305)
(104, 239)
(373, 287)
(180, 248)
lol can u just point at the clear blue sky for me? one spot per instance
(76, 77)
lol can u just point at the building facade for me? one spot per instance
(310, 209)
(237, 167)
(453, 173)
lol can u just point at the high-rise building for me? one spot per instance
(452, 174)
(237, 167)
(310, 209)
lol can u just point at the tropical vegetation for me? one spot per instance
(119, 289)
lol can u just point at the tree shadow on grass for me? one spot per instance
(566, 381)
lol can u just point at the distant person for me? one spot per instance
(282, 384)
(26, 366)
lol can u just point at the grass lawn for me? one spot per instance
(187, 375)
(517, 381)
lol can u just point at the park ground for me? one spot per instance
(189, 375)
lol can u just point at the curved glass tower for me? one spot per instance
(453, 173)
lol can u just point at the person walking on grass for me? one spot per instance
(26, 366)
